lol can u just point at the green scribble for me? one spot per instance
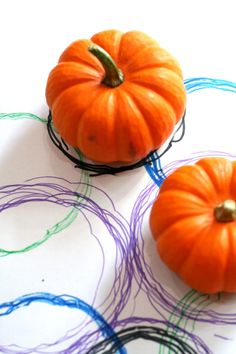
(178, 314)
(17, 116)
(178, 317)
(71, 216)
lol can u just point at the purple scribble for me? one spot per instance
(223, 337)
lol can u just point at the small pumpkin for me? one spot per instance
(117, 96)
(193, 221)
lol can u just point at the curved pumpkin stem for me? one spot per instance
(114, 76)
(226, 211)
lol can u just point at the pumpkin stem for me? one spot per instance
(113, 75)
(226, 211)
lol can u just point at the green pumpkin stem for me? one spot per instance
(113, 75)
(226, 211)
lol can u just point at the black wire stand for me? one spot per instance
(100, 169)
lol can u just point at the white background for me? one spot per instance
(201, 35)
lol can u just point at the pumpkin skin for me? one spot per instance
(122, 123)
(195, 233)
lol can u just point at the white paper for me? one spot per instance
(70, 269)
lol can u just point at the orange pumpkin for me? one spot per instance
(117, 96)
(193, 221)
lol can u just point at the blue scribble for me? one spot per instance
(69, 301)
(192, 84)
(155, 170)
(200, 83)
